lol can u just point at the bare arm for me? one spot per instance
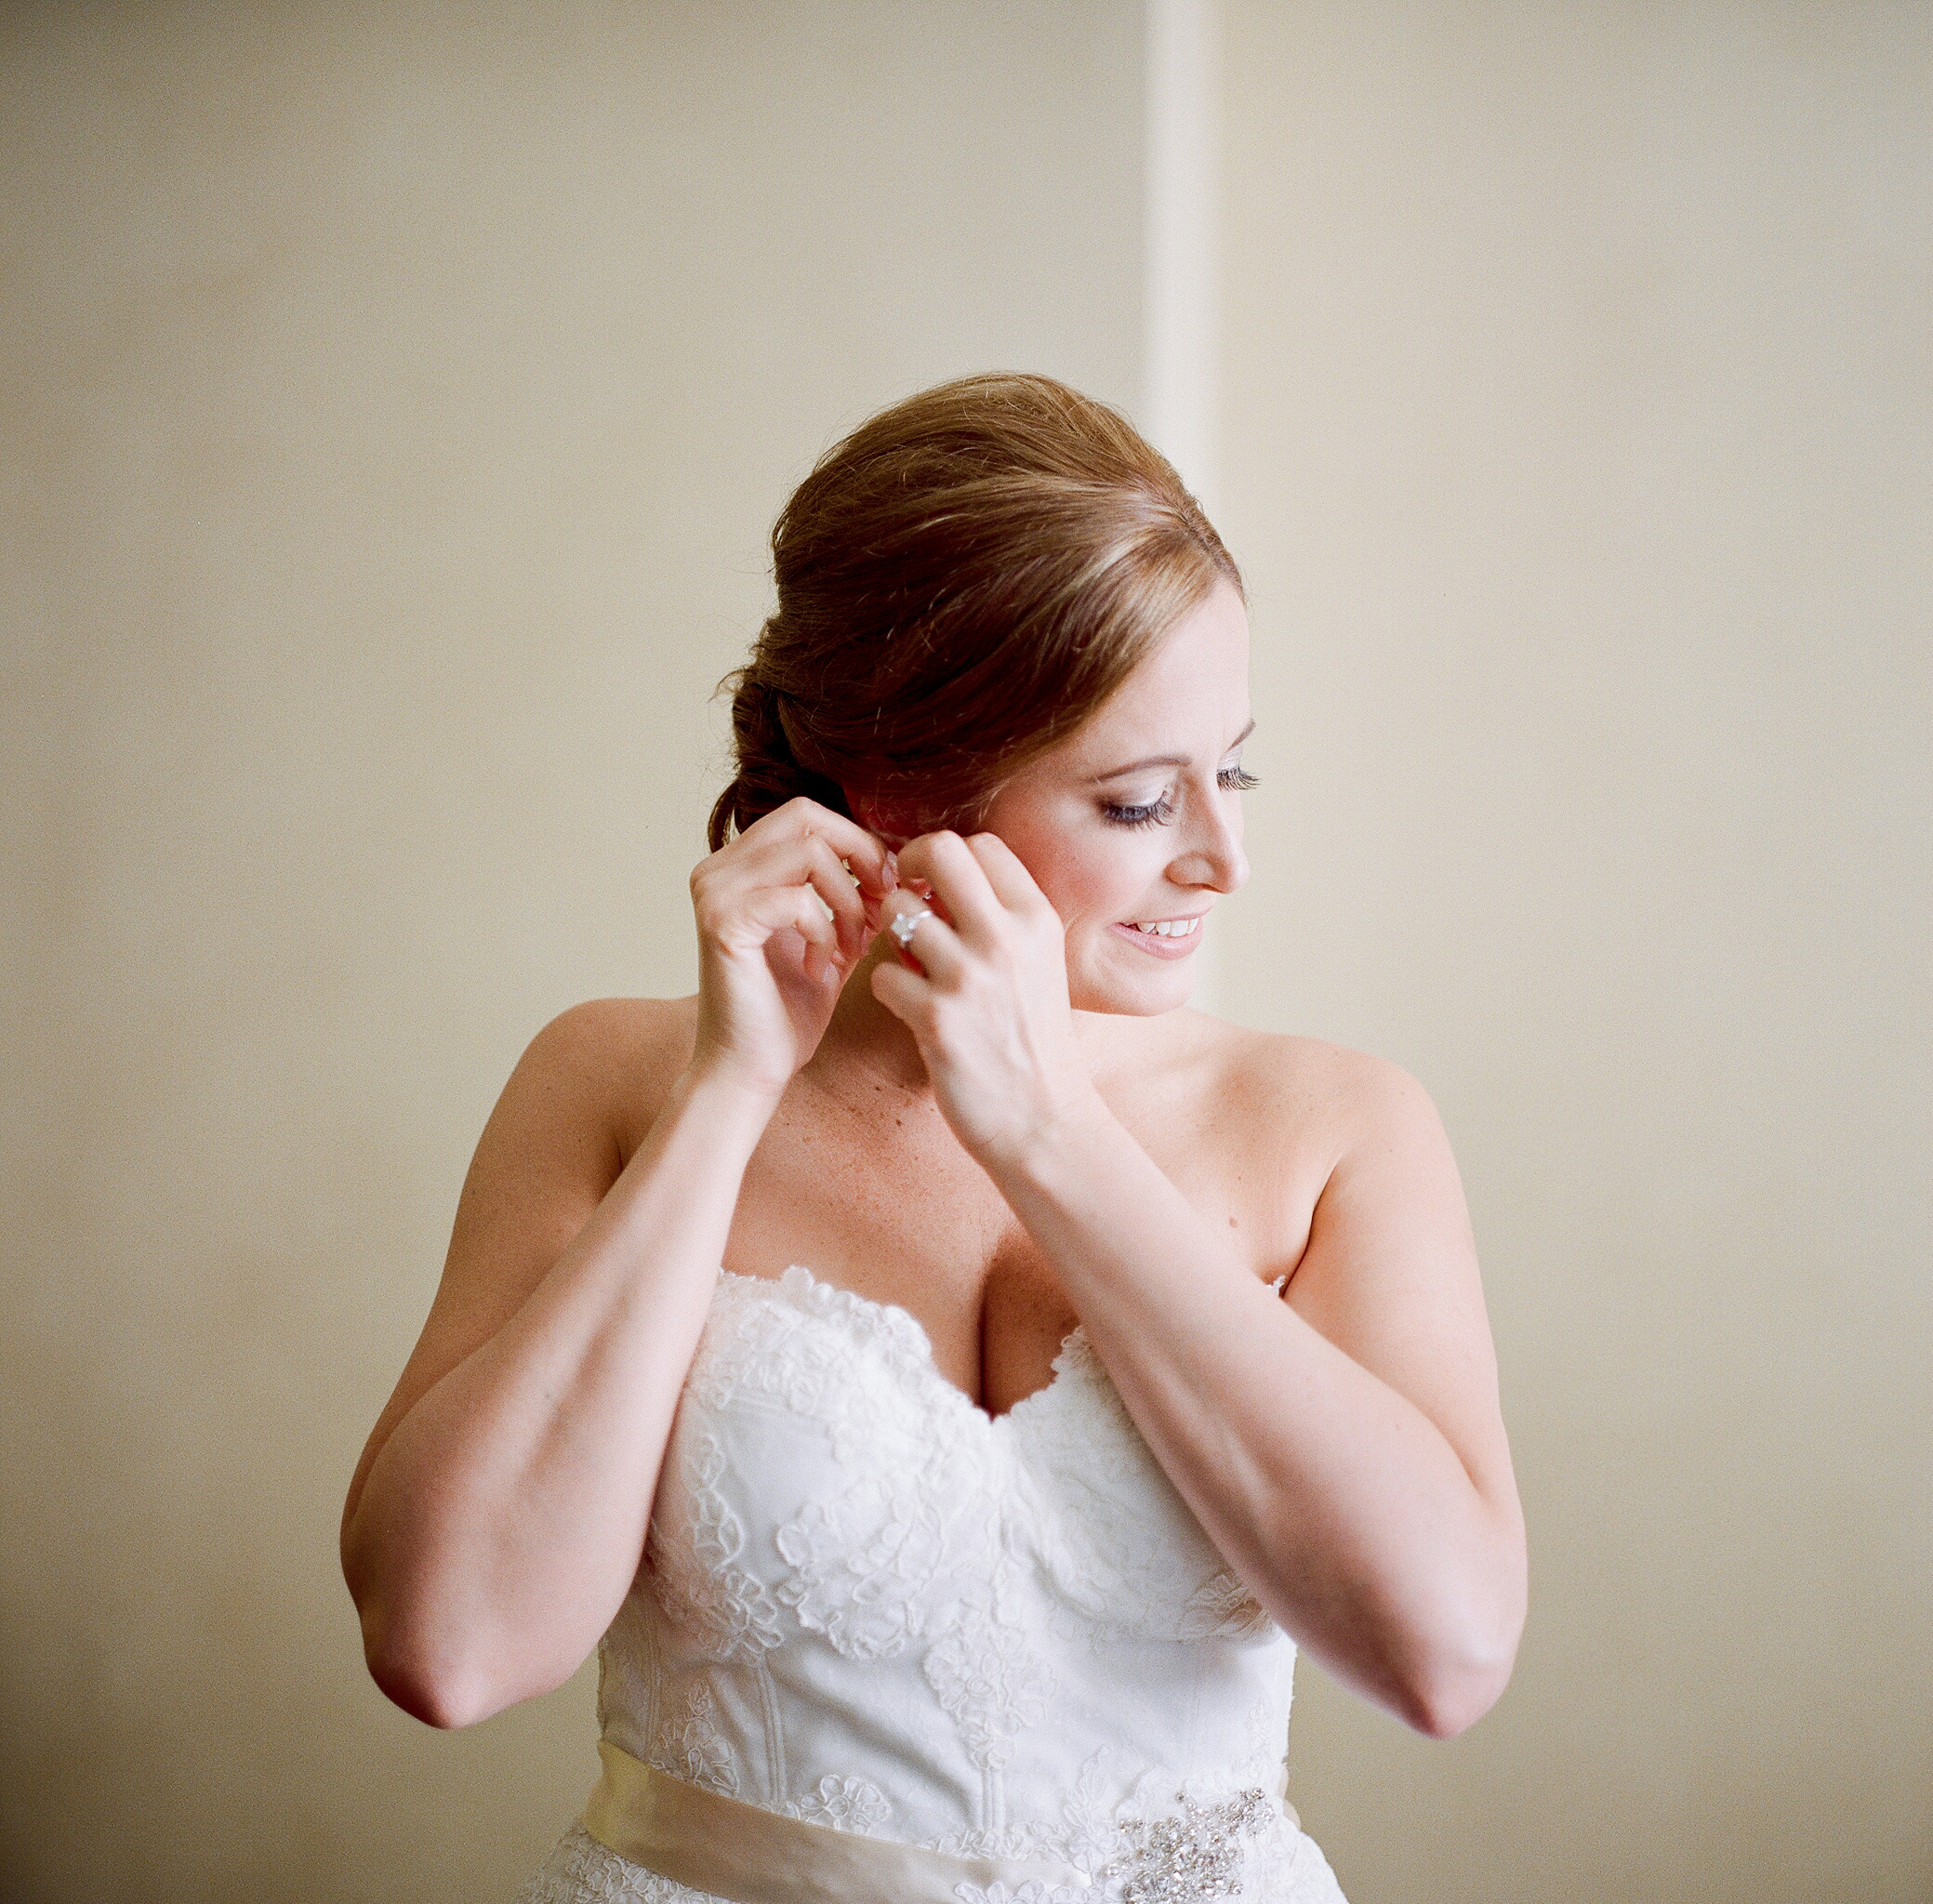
(1344, 1449)
(498, 1515)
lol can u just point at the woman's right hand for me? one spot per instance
(772, 957)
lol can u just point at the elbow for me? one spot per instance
(1459, 1677)
(448, 1660)
(431, 1680)
(1438, 1687)
(1449, 1703)
(1443, 1672)
(452, 1672)
(438, 1693)
(416, 1658)
(1449, 1692)
(449, 1709)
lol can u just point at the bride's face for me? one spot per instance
(1131, 826)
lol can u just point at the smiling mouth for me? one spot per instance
(1165, 927)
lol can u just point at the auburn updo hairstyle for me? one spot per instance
(961, 582)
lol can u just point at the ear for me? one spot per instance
(896, 821)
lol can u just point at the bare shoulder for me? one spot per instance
(1335, 1100)
(605, 1064)
(616, 1042)
(586, 1090)
(1387, 1233)
(1383, 1263)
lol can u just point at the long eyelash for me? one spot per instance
(1156, 813)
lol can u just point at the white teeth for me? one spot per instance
(1169, 928)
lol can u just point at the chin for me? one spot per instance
(1143, 996)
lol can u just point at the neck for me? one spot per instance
(866, 1042)
(867, 1050)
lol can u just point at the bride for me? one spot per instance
(949, 1377)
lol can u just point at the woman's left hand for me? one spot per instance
(989, 1007)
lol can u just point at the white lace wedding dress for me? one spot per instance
(867, 1605)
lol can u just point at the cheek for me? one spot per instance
(1090, 874)
(1067, 877)
(1094, 887)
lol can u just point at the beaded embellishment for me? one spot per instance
(1195, 1856)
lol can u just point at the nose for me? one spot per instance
(1211, 855)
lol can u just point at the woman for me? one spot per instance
(1129, 1349)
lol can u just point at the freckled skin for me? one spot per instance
(942, 1241)
(961, 1142)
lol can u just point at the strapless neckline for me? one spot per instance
(895, 1316)
(868, 1605)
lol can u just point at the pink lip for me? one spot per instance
(1161, 948)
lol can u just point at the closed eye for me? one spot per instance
(1155, 813)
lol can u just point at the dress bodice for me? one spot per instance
(868, 1605)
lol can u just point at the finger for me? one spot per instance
(774, 909)
(785, 857)
(943, 862)
(775, 841)
(904, 994)
(924, 939)
(866, 853)
(1006, 872)
(740, 906)
(826, 875)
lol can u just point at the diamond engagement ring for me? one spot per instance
(903, 925)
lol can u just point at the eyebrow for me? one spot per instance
(1163, 760)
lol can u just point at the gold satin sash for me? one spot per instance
(755, 1857)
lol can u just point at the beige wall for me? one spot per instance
(1579, 445)
(403, 393)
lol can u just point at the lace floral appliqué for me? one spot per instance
(868, 1605)
(1222, 1608)
(689, 1745)
(990, 1684)
(845, 1805)
(702, 1577)
(582, 1871)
